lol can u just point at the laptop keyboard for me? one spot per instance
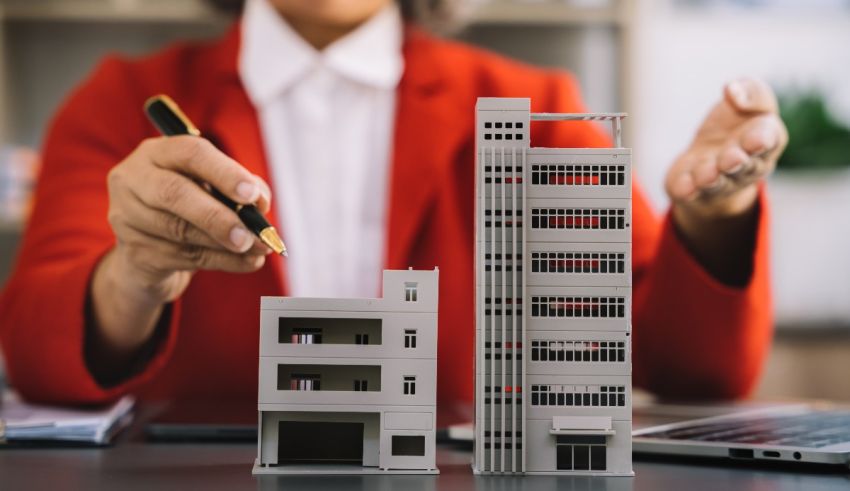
(814, 430)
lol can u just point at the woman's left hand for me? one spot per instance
(713, 185)
(736, 146)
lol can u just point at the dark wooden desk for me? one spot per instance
(134, 464)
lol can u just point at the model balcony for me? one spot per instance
(346, 382)
(353, 335)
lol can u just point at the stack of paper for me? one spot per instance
(22, 421)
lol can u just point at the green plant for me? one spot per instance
(817, 140)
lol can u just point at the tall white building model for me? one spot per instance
(553, 299)
(348, 386)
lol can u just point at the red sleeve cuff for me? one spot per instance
(696, 337)
(44, 339)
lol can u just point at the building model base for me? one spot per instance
(334, 470)
(553, 384)
(349, 386)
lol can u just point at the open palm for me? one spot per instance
(736, 146)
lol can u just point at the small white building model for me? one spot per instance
(553, 299)
(348, 386)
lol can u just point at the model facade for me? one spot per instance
(349, 385)
(553, 298)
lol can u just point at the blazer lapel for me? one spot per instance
(231, 123)
(426, 139)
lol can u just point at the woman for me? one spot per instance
(132, 278)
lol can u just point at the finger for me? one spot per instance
(762, 135)
(199, 159)
(265, 200)
(751, 95)
(706, 174)
(164, 257)
(137, 216)
(176, 194)
(733, 160)
(680, 186)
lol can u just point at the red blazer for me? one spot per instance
(692, 335)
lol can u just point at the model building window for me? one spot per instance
(578, 175)
(578, 218)
(578, 351)
(410, 292)
(408, 445)
(306, 336)
(588, 307)
(578, 262)
(581, 453)
(301, 381)
(409, 385)
(361, 339)
(410, 338)
(361, 385)
(578, 395)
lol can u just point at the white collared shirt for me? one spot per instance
(327, 120)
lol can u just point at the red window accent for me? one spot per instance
(518, 389)
(509, 180)
(570, 180)
(573, 222)
(509, 345)
(574, 264)
(574, 306)
(509, 389)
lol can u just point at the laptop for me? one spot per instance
(786, 434)
(798, 433)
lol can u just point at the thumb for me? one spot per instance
(750, 95)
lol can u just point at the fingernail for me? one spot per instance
(241, 238)
(739, 92)
(248, 191)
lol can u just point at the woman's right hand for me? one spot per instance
(167, 226)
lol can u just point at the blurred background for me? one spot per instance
(662, 61)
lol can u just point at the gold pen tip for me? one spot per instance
(270, 237)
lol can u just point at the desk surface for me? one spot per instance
(132, 465)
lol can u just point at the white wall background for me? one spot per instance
(683, 56)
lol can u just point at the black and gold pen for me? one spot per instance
(170, 120)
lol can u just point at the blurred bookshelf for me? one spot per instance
(562, 12)
(134, 11)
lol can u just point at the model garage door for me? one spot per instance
(320, 442)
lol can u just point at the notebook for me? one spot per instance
(20, 421)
